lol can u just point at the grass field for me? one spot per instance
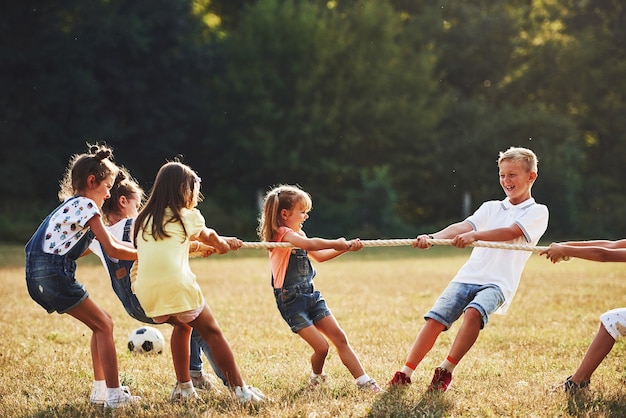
(378, 296)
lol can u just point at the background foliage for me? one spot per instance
(390, 113)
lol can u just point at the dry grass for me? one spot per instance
(377, 295)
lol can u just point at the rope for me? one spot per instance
(402, 242)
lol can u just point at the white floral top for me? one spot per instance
(68, 224)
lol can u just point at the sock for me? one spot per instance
(449, 364)
(408, 369)
(195, 373)
(114, 393)
(361, 380)
(100, 386)
(185, 385)
(314, 375)
(99, 392)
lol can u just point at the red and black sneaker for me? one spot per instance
(400, 379)
(441, 380)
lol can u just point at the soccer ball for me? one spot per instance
(146, 340)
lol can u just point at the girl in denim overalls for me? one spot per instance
(51, 255)
(285, 208)
(119, 212)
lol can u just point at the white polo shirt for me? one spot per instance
(498, 266)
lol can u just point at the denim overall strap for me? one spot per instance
(119, 272)
(35, 243)
(127, 225)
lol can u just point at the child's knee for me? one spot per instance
(322, 350)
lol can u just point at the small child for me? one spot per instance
(165, 285)
(612, 323)
(120, 211)
(51, 256)
(487, 282)
(285, 208)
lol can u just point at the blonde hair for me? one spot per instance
(520, 155)
(280, 197)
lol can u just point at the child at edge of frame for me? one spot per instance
(612, 323)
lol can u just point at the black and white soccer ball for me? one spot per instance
(146, 340)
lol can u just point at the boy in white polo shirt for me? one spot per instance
(487, 282)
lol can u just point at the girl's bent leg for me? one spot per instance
(319, 344)
(100, 322)
(197, 344)
(599, 348)
(329, 327)
(207, 327)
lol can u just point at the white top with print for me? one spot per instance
(68, 224)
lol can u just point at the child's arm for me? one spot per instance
(233, 242)
(603, 251)
(597, 243)
(210, 237)
(199, 247)
(112, 246)
(321, 249)
(448, 232)
(499, 234)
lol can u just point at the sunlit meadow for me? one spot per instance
(378, 295)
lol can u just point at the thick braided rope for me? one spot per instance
(402, 242)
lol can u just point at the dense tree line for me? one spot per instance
(390, 113)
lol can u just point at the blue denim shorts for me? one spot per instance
(457, 297)
(51, 282)
(301, 306)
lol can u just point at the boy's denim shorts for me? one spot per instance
(457, 297)
(301, 306)
(51, 282)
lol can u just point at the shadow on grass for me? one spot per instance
(593, 405)
(397, 403)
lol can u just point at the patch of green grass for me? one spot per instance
(378, 296)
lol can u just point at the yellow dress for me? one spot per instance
(165, 284)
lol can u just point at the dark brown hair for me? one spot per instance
(173, 189)
(97, 162)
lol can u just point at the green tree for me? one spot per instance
(313, 96)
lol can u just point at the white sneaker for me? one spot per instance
(120, 398)
(317, 380)
(201, 382)
(249, 394)
(98, 397)
(183, 394)
(370, 385)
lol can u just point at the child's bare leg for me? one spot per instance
(98, 371)
(319, 344)
(423, 344)
(467, 335)
(329, 327)
(179, 343)
(209, 330)
(601, 345)
(100, 322)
